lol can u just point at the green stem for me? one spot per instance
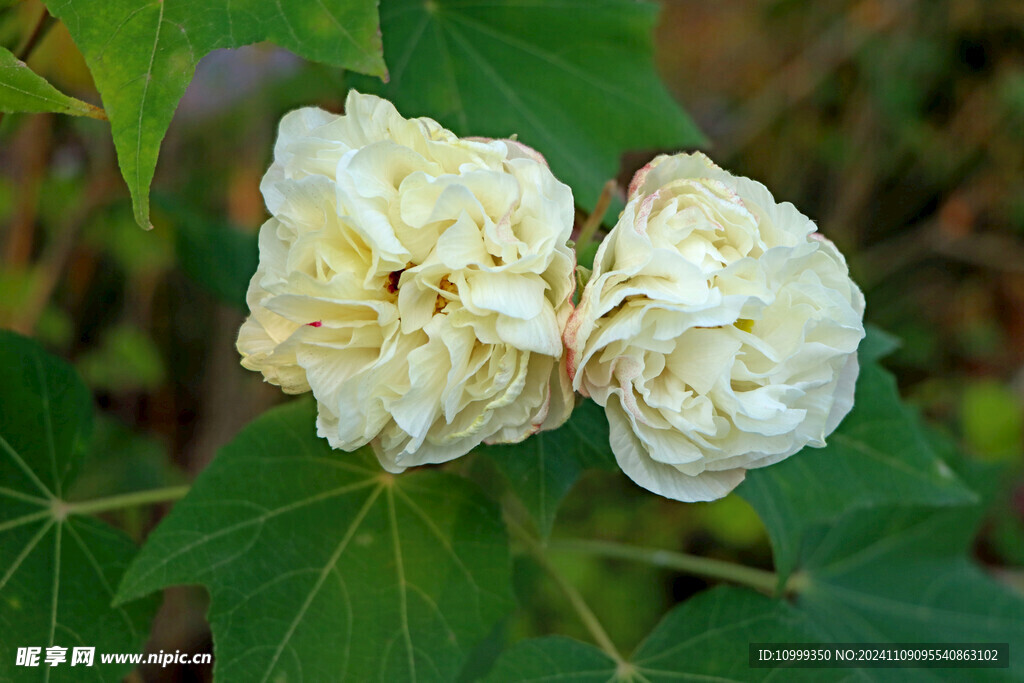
(587, 616)
(764, 581)
(125, 500)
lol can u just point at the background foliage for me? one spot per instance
(897, 126)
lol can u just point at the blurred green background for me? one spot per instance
(897, 126)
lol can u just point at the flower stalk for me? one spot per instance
(586, 615)
(124, 500)
(589, 228)
(758, 579)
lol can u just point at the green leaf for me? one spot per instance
(23, 90)
(57, 571)
(574, 79)
(877, 345)
(481, 659)
(905, 575)
(217, 257)
(121, 461)
(322, 567)
(126, 360)
(878, 456)
(555, 658)
(142, 55)
(542, 469)
(705, 638)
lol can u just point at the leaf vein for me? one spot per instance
(331, 564)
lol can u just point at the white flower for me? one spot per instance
(718, 330)
(417, 282)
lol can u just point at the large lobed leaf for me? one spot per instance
(574, 79)
(903, 574)
(143, 53)
(57, 572)
(23, 90)
(322, 567)
(883, 575)
(704, 639)
(879, 455)
(887, 575)
(542, 469)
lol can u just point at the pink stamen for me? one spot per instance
(315, 323)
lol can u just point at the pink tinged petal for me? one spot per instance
(637, 183)
(561, 400)
(643, 212)
(626, 369)
(573, 343)
(502, 242)
(517, 150)
(667, 168)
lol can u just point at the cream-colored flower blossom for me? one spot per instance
(416, 282)
(718, 330)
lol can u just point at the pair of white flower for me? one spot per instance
(420, 284)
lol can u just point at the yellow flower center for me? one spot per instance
(445, 285)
